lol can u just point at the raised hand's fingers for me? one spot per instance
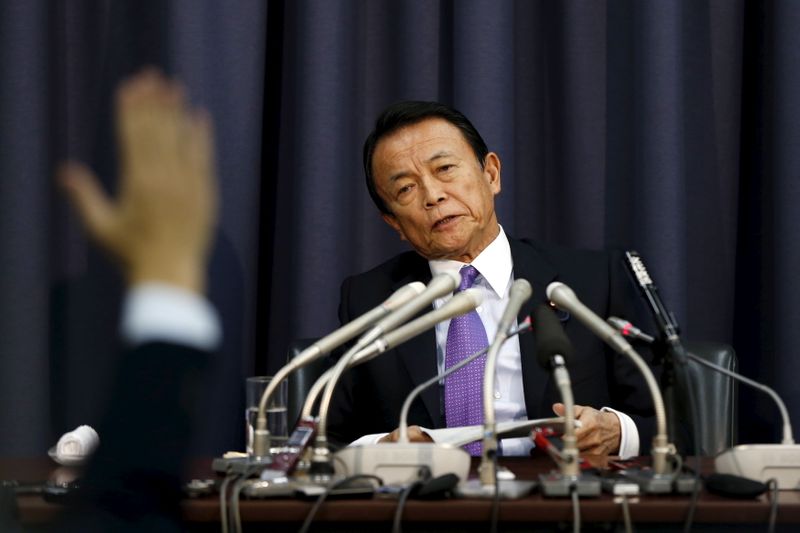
(97, 213)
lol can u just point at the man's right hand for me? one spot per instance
(415, 434)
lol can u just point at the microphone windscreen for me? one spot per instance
(732, 486)
(550, 337)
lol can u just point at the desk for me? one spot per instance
(531, 512)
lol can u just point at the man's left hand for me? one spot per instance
(599, 433)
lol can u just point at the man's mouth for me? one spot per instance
(444, 221)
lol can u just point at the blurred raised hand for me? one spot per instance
(160, 225)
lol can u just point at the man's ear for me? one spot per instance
(392, 221)
(491, 169)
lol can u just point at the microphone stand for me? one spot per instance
(755, 461)
(668, 349)
(553, 349)
(570, 477)
(659, 479)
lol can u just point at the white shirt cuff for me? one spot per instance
(629, 434)
(366, 440)
(159, 312)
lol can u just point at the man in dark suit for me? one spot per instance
(434, 181)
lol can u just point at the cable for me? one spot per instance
(626, 514)
(772, 484)
(576, 509)
(328, 491)
(694, 413)
(236, 518)
(223, 501)
(496, 498)
(401, 504)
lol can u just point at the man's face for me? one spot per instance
(441, 200)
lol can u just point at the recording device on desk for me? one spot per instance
(755, 461)
(553, 351)
(659, 479)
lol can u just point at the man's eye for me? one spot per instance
(445, 168)
(404, 189)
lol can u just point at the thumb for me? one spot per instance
(558, 408)
(94, 208)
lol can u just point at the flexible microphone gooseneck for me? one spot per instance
(564, 298)
(322, 347)
(438, 286)
(671, 350)
(459, 304)
(629, 330)
(372, 344)
(519, 293)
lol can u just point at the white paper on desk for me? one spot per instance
(459, 436)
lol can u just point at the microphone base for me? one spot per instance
(763, 462)
(510, 489)
(241, 465)
(402, 463)
(686, 483)
(557, 485)
(650, 482)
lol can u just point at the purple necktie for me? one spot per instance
(463, 390)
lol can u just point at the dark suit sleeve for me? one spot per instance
(133, 482)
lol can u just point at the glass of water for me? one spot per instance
(276, 412)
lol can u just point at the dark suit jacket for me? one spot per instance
(133, 481)
(371, 395)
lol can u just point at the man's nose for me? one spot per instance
(435, 192)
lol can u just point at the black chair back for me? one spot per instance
(302, 379)
(715, 394)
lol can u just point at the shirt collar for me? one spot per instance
(494, 263)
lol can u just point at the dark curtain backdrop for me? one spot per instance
(671, 127)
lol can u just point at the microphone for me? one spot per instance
(519, 293)
(755, 461)
(664, 319)
(439, 286)
(564, 298)
(373, 342)
(322, 347)
(459, 304)
(628, 330)
(553, 353)
(403, 464)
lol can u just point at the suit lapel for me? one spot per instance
(419, 354)
(529, 264)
